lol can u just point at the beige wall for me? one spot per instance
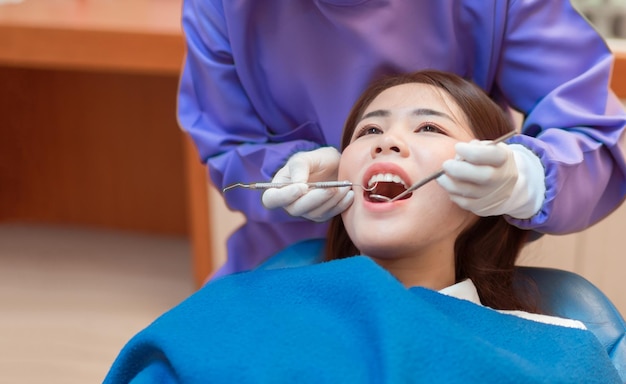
(596, 253)
(223, 223)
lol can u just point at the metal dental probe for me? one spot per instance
(318, 184)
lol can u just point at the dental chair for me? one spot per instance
(564, 294)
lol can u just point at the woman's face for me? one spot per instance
(405, 134)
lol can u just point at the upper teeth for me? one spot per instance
(385, 177)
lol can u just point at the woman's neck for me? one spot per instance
(435, 271)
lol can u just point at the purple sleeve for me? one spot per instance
(215, 110)
(556, 69)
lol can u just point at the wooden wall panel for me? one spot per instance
(90, 148)
(618, 81)
(200, 228)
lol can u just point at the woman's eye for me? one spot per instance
(429, 128)
(368, 130)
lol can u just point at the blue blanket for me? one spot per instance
(350, 321)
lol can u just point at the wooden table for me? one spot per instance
(88, 130)
(140, 36)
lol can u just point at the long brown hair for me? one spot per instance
(486, 251)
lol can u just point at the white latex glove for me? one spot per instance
(492, 180)
(316, 204)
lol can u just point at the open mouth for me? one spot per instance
(385, 187)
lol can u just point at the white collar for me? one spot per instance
(466, 290)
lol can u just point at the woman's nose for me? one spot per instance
(389, 144)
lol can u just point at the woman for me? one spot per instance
(412, 143)
(379, 318)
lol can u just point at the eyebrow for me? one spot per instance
(415, 112)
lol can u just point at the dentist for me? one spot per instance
(266, 86)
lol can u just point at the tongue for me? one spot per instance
(389, 189)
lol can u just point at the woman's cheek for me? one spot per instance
(347, 164)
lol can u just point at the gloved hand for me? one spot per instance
(492, 180)
(315, 204)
